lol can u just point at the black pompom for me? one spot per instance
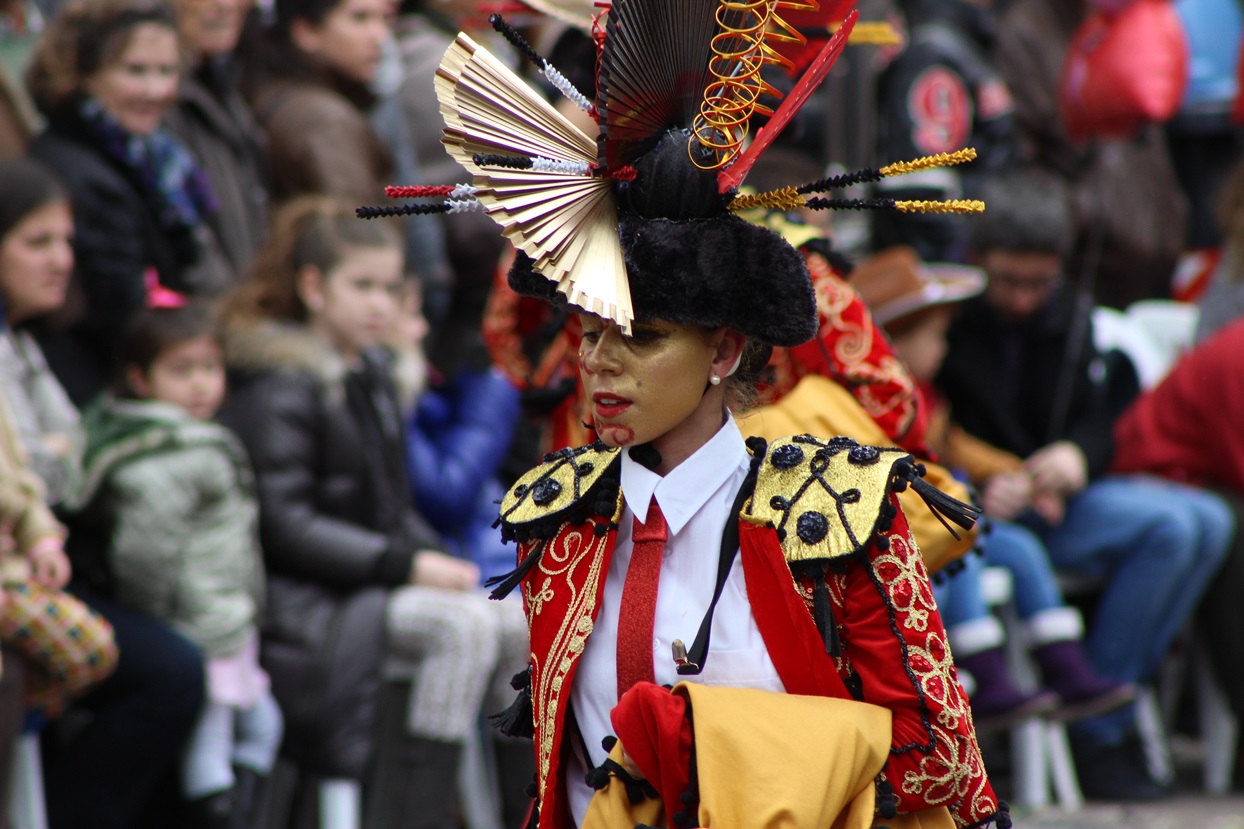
(887, 803)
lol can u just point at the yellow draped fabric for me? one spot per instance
(775, 761)
(820, 407)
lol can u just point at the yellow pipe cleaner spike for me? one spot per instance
(952, 206)
(877, 33)
(787, 198)
(899, 168)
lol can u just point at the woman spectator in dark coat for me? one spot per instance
(215, 123)
(312, 97)
(104, 76)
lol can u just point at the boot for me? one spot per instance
(212, 812)
(1084, 692)
(249, 788)
(415, 785)
(997, 703)
(1114, 771)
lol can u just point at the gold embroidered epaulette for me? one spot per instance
(568, 479)
(825, 498)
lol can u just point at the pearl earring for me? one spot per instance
(714, 379)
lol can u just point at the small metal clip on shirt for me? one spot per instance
(684, 665)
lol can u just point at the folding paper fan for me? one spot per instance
(554, 210)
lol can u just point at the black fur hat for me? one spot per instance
(706, 272)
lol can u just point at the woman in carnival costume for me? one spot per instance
(775, 587)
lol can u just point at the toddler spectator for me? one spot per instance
(915, 303)
(1022, 374)
(105, 772)
(104, 74)
(184, 547)
(354, 571)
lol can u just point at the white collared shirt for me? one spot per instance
(696, 499)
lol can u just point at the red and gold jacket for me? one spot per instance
(822, 514)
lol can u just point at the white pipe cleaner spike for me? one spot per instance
(553, 165)
(563, 85)
(465, 206)
(463, 191)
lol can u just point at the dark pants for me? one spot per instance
(12, 716)
(141, 716)
(1221, 614)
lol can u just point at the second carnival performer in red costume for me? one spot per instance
(722, 633)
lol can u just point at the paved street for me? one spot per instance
(1187, 811)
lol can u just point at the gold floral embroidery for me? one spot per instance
(902, 573)
(572, 551)
(536, 600)
(953, 773)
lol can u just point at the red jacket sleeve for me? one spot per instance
(895, 654)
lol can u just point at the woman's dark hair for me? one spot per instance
(84, 37)
(311, 230)
(741, 387)
(1027, 210)
(154, 331)
(27, 185)
(312, 11)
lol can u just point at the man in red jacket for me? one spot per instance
(1188, 429)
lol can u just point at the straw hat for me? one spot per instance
(895, 283)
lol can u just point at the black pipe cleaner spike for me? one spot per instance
(514, 162)
(863, 176)
(516, 40)
(369, 212)
(852, 204)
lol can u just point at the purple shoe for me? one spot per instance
(998, 703)
(1084, 692)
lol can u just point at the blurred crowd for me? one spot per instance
(251, 446)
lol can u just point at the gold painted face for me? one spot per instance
(648, 387)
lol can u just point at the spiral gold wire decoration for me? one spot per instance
(739, 52)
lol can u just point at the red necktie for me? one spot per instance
(639, 600)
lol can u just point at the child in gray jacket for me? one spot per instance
(176, 494)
